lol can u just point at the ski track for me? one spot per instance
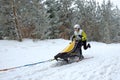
(103, 66)
(101, 69)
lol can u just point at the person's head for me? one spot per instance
(76, 27)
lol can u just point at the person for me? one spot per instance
(81, 40)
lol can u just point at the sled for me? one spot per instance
(67, 53)
(69, 47)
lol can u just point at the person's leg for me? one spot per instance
(81, 56)
(85, 46)
(80, 50)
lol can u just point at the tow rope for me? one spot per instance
(26, 65)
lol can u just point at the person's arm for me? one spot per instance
(72, 37)
(84, 36)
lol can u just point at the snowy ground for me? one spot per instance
(104, 66)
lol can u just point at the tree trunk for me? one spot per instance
(17, 27)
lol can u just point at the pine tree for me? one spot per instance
(17, 25)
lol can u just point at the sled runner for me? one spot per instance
(62, 62)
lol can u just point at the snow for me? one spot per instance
(104, 65)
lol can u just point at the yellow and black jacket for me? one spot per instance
(79, 35)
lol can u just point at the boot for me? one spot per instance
(80, 58)
(89, 45)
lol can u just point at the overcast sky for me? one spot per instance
(115, 2)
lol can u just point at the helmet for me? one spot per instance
(77, 26)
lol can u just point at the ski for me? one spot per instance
(86, 58)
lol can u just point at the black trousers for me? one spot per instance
(84, 43)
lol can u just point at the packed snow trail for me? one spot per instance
(104, 65)
(26, 65)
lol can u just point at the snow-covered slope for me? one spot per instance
(104, 66)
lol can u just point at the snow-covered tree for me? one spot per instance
(43, 19)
